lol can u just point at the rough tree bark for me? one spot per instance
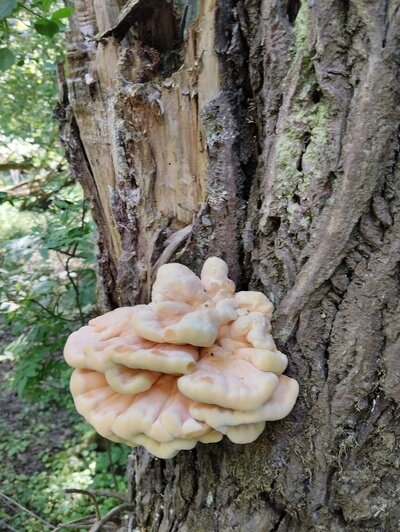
(265, 132)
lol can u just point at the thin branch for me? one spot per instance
(24, 509)
(23, 22)
(111, 464)
(111, 494)
(7, 526)
(41, 306)
(83, 212)
(72, 255)
(75, 286)
(171, 245)
(122, 507)
(60, 260)
(55, 306)
(130, 473)
(13, 165)
(31, 11)
(88, 494)
(58, 316)
(131, 523)
(75, 523)
(63, 253)
(105, 493)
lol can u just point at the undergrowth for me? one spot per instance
(47, 290)
(82, 462)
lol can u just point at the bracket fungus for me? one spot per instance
(195, 364)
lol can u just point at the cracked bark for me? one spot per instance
(266, 132)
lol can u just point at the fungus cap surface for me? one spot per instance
(197, 363)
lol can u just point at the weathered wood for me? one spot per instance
(266, 132)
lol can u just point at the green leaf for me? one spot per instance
(47, 27)
(45, 4)
(44, 252)
(21, 385)
(7, 7)
(7, 59)
(4, 197)
(63, 12)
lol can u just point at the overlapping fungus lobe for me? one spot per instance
(197, 363)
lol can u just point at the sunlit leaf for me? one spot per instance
(47, 27)
(5, 197)
(44, 252)
(46, 4)
(7, 7)
(61, 13)
(7, 59)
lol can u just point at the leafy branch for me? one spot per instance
(42, 301)
(45, 24)
(24, 509)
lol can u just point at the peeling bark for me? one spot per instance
(266, 132)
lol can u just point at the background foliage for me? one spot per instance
(47, 288)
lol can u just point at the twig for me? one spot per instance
(75, 523)
(63, 253)
(74, 526)
(13, 165)
(111, 464)
(130, 474)
(58, 316)
(18, 505)
(72, 255)
(171, 245)
(111, 494)
(88, 494)
(55, 306)
(31, 11)
(98, 526)
(131, 522)
(83, 214)
(74, 286)
(7, 526)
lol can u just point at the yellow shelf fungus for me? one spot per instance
(195, 364)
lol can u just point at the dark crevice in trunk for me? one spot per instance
(292, 9)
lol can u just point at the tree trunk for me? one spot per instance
(264, 132)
